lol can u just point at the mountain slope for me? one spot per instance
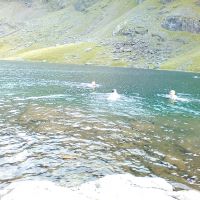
(138, 33)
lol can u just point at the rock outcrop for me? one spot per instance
(82, 5)
(180, 23)
(113, 187)
(166, 1)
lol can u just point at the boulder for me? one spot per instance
(180, 23)
(112, 187)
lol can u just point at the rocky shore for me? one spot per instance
(112, 187)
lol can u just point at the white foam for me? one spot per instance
(177, 98)
(114, 96)
(56, 96)
(89, 85)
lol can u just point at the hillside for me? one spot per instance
(161, 34)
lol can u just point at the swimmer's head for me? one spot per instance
(172, 92)
(114, 91)
(93, 83)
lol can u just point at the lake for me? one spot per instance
(53, 126)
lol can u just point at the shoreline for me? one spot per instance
(112, 187)
(95, 66)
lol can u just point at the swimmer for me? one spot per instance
(90, 85)
(93, 84)
(172, 95)
(114, 95)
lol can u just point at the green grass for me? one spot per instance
(189, 61)
(4, 47)
(75, 53)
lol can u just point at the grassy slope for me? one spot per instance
(75, 53)
(87, 30)
(89, 26)
(189, 61)
(189, 58)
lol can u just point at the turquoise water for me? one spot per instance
(53, 126)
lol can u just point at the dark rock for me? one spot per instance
(82, 5)
(141, 30)
(198, 3)
(126, 32)
(54, 4)
(158, 37)
(166, 1)
(140, 1)
(28, 3)
(179, 23)
(181, 40)
(131, 31)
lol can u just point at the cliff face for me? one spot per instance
(138, 33)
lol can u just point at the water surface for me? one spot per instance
(54, 127)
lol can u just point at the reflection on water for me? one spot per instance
(52, 126)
